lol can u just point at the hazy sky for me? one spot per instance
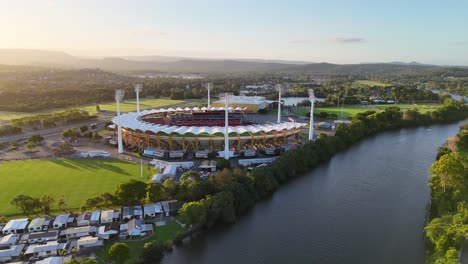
(347, 31)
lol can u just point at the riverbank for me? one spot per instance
(448, 226)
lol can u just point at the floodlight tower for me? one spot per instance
(279, 88)
(311, 128)
(226, 126)
(119, 94)
(209, 86)
(138, 89)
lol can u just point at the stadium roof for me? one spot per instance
(132, 121)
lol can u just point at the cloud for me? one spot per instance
(347, 40)
(332, 40)
(461, 42)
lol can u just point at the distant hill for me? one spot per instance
(198, 65)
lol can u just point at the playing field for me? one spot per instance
(77, 180)
(125, 106)
(350, 111)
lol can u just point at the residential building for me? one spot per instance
(41, 237)
(54, 260)
(61, 221)
(89, 243)
(9, 240)
(95, 217)
(152, 210)
(52, 248)
(83, 219)
(15, 226)
(109, 216)
(77, 232)
(39, 225)
(108, 230)
(11, 254)
(135, 227)
(129, 212)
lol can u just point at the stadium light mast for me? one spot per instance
(279, 88)
(119, 94)
(209, 86)
(226, 126)
(311, 125)
(138, 89)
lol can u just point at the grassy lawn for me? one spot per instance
(350, 111)
(130, 105)
(77, 180)
(162, 234)
(126, 106)
(370, 83)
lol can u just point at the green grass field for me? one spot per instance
(126, 106)
(162, 234)
(370, 83)
(350, 111)
(77, 180)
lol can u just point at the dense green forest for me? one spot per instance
(448, 226)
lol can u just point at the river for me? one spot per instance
(367, 205)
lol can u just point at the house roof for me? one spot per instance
(95, 216)
(61, 219)
(77, 230)
(43, 234)
(107, 214)
(9, 239)
(51, 246)
(13, 251)
(153, 208)
(83, 217)
(132, 210)
(37, 222)
(16, 224)
(53, 260)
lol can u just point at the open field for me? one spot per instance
(126, 106)
(350, 111)
(370, 83)
(77, 180)
(162, 234)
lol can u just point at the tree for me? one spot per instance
(193, 213)
(119, 252)
(156, 192)
(153, 252)
(131, 192)
(190, 176)
(98, 108)
(93, 202)
(45, 203)
(448, 171)
(64, 149)
(170, 187)
(70, 133)
(26, 203)
(62, 203)
(84, 129)
(107, 198)
(223, 163)
(3, 219)
(35, 138)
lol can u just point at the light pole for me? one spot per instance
(226, 126)
(311, 128)
(138, 89)
(209, 86)
(279, 88)
(119, 94)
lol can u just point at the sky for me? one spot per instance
(346, 31)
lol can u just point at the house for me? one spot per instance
(175, 206)
(61, 221)
(54, 260)
(324, 125)
(52, 248)
(109, 216)
(165, 206)
(95, 216)
(39, 225)
(83, 219)
(89, 243)
(41, 237)
(77, 232)
(152, 210)
(11, 254)
(135, 227)
(16, 226)
(129, 212)
(108, 230)
(9, 240)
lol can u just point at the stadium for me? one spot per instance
(174, 133)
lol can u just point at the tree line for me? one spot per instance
(448, 226)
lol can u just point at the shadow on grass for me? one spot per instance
(100, 164)
(64, 163)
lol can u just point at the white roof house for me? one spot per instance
(129, 212)
(83, 219)
(135, 227)
(75, 232)
(12, 253)
(106, 231)
(95, 216)
(89, 241)
(153, 209)
(54, 260)
(43, 250)
(61, 221)
(15, 226)
(9, 240)
(38, 224)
